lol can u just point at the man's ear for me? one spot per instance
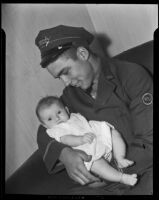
(82, 53)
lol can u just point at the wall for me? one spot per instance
(26, 82)
(125, 25)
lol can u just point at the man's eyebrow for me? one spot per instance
(59, 74)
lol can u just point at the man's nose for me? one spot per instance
(74, 82)
(66, 80)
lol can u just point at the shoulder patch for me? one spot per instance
(147, 98)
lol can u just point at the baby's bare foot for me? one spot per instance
(123, 162)
(129, 179)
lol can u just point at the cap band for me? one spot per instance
(56, 49)
(46, 41)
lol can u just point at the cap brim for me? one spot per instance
(51, 57)
(46, 60)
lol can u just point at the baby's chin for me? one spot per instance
(49, 127)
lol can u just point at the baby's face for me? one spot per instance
(53, 115)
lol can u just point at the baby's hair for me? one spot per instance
(46, 102)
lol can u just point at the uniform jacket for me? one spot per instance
(124, 99)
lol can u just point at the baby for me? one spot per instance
(98, 139)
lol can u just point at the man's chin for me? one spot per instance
(85, 87)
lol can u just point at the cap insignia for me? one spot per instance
(44, 42)
(59, 47)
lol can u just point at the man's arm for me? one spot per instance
(50, 149)
(138, 85)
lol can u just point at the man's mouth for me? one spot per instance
(76, 85)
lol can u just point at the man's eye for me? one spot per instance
(66, 72)
(49, 119)
(59, 112)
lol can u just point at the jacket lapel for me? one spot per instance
(105, 86)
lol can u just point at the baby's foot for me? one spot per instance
(123, 162)
(129, 179)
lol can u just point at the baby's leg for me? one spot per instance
(102, 168)
(123, 162)
(119, 150)
(129, 179)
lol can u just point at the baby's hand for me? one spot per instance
(88, 138)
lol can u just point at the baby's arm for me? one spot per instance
(73, 140)
(119, 150)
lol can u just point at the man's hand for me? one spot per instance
(74, 164)
(88, 138)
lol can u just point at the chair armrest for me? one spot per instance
(142, 54)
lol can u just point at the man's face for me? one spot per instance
(78, 73)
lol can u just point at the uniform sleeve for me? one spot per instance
(50, 150)
(138, 85)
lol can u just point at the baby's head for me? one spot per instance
(51, 111)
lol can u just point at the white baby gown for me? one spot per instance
(78, 125)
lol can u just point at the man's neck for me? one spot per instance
(96, 64)
(95, 61)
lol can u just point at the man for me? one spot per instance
(100, 89)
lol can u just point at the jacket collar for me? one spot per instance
(105, 86)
